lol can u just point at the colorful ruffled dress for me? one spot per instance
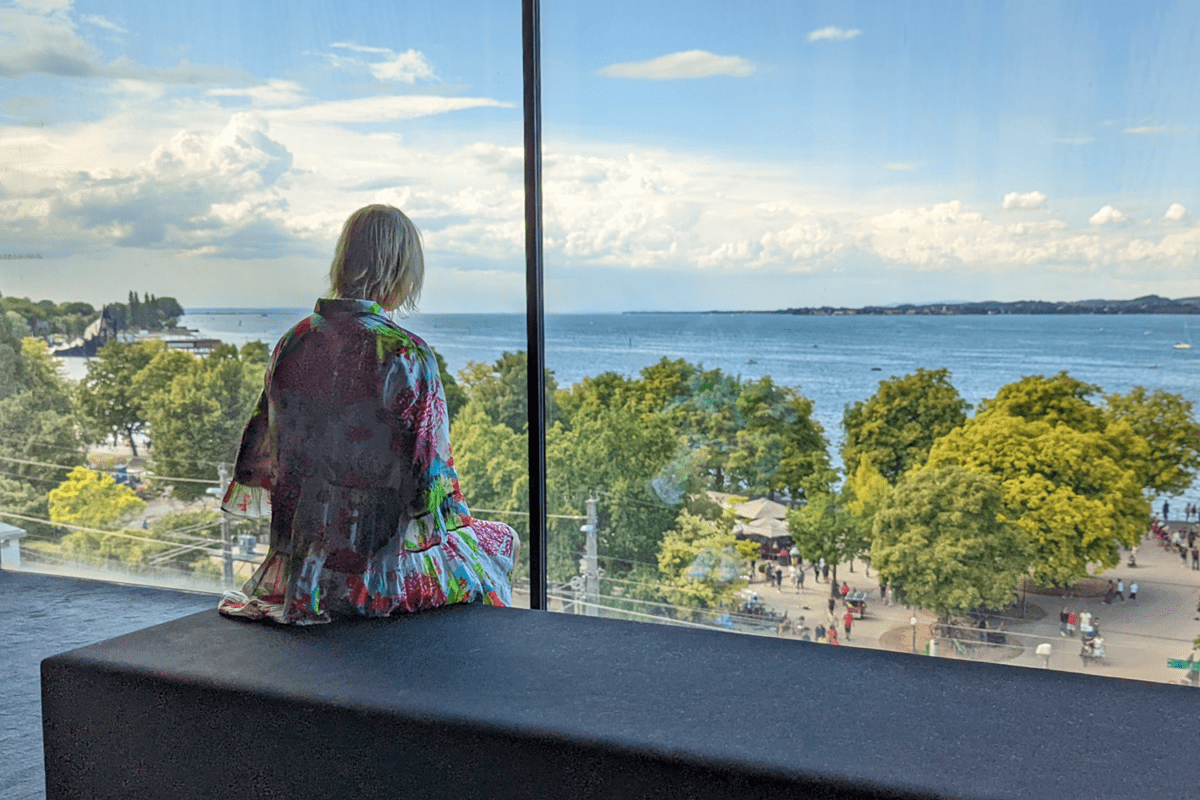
(348, 453)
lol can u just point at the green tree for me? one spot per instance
(255, 352)
(701, 562)
(826, 528)
(501, 390)
(940, 539)
(456, 398)
(93, 500)
(1072, 481)
(614, 454)
(492, 464)
(39, 426)
(170, 541)
(197, 421)
(1167, 422)
(107, 394)
(895, 428)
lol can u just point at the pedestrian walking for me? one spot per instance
(816, 573)
(1191, 537)
(831, 604)
(819, 633)
(1121, 589)
(832, 634)
(1166, 510)
(1133, 591)
(779, 578)
(800, 581)
(1072, 621)
(825, 572)
(1183, 553)
(848, 622)
(845, 590)
(1195, 558)
(1064, 617)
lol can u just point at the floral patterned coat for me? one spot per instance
(348, 452)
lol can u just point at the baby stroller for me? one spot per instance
(1092, 650)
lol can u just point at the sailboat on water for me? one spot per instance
(1188, 344)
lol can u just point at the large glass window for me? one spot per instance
(174, 178)
(765, 229)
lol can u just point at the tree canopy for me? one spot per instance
(940, 540)
(895, 428)
(93, 499)
(1071, 480)
(826, 528)
(701, 561)
(1167, 422)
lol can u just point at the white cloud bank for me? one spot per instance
(1032, 199)
(1175, 213)
(1106, 216)
(690, 64)
(833, 34)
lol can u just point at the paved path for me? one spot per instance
(1140, 635)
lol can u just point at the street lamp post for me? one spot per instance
(913, 622)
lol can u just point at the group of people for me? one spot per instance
(1069, 621)
(1190, 510)
(796, 573)
(1116, 591)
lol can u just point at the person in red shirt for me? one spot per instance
(847, 621)
(845, 589)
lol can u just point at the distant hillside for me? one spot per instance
(1150, 304)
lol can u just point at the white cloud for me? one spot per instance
(273, 92)
(903, 166)
(833, 34)
(1153, 130)
(102, 22)
(383, 108)
(198, 192)
(41, 39)
(685, 65)
(1175, 213)
(1075, 140)
(1033, 199)
(388, 66)
(1106, 216)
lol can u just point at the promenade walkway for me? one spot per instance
(1140, 635)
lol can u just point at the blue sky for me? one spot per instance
(696, 155)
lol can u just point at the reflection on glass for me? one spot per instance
(915, 207)
(173, 182)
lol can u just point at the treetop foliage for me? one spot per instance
(895, 428)
(941, 541)
(93, 499)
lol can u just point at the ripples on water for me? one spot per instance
(43, 616)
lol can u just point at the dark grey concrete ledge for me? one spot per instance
(479, 702)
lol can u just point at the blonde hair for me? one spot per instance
(379, 258)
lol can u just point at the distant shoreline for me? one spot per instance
(1151, 304)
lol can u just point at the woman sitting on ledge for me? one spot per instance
(348, 453)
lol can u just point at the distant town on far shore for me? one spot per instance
(1150, 304)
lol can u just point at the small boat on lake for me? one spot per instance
(1188, 344)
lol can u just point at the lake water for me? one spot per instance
(833, 360)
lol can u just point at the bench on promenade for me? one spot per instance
(470, 701)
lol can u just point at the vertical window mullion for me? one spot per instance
(534, 320)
